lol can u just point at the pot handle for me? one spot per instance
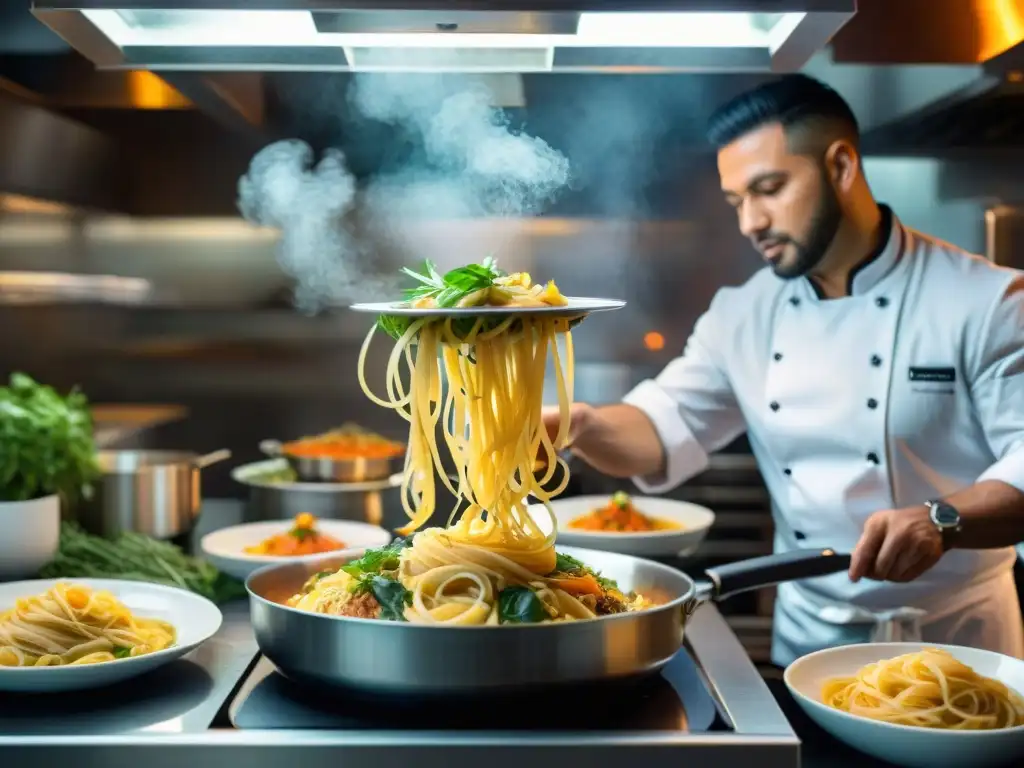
(211, 458)
(770, 570)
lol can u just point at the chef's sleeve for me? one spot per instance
(997, 388)
(691, 402)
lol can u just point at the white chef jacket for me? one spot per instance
(908, 389)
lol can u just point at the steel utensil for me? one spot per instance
(157, 493)
(327, 470)
(402, 658)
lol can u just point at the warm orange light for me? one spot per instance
(1000, 26)
(147, 91)
(654, 341)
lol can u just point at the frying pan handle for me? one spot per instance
(774, 569)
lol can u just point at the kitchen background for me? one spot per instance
(119, 175)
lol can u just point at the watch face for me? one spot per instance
(944, 514)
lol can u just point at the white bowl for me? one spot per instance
(226, 548)
(901, 744)
(195, 618)
(29, 536)
(696, 521)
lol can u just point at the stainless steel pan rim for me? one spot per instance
(681, 602)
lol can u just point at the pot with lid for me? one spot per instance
(157, 493)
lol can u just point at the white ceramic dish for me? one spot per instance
(29, 536)
(905, 745)
(226, 548)
(696, 522)
(578, 305)
(195, 618)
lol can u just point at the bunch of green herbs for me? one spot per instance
(136, 557)
(46, 442)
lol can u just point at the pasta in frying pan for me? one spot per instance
(481, 380)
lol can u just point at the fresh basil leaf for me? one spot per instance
(392, 596)
(519, 605)
(377, 560)
(120, 652)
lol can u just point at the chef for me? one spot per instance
(879, 375)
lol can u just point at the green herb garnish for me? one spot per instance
(570, 566)
(120, 652)
(519, 605)
(377, 560)
(390, 594)
(446, 290)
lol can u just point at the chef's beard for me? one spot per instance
(824, 226)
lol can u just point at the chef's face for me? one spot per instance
(785, 201)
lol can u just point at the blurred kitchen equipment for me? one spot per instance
(157, 493)
(275, 494)
(322, 469)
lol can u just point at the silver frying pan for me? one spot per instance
(399, 658)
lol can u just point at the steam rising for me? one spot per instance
(468, 161)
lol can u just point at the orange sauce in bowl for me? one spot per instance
(348, 442)
(302, 539)
(619, 515)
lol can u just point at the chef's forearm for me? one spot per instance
(991, 515)
(621, 442)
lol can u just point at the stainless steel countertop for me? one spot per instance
(181, 722)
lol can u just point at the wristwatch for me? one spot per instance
(946, 518)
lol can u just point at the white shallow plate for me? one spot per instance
(696, 521)
(578, 305)
(901, 744)
(195, 618)
(226, 548)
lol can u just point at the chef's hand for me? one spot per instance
(579, 419)
(897, 545)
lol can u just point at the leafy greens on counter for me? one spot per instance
(136, 557)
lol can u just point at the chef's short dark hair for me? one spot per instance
(797, 102)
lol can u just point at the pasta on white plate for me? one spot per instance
(479, 379)
(926, 689)
(71, 625)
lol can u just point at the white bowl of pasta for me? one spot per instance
(71, 634)
(644, 526)
(979, 723)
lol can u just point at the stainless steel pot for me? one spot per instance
(401, 658)
(157, 493)
(270, 498)
(326, 470)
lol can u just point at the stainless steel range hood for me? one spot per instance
(956, 82)
(577, 36)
